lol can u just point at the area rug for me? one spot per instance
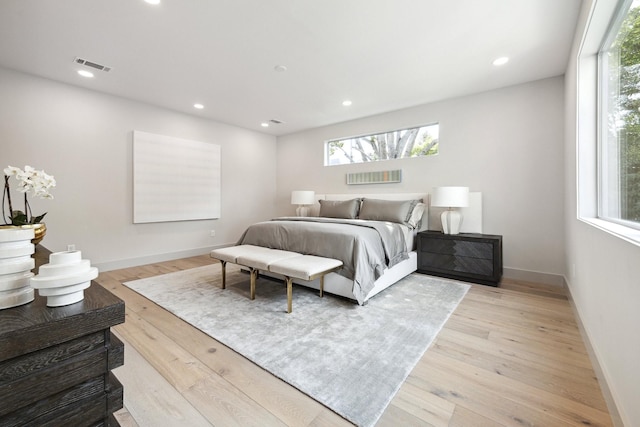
(351, 358)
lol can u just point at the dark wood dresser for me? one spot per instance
(470, 257)
(55, 363)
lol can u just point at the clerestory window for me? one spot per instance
(397, 144)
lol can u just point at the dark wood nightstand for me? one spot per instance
(56, 362)
(470, 257)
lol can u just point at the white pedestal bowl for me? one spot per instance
(64, 279)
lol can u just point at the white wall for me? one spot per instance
(84, 139)
(505, 143)
(606, 285)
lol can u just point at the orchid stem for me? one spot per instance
(7, 193)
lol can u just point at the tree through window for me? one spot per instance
(398, 144)
(620, 144)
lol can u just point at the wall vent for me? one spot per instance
(382, 177)
(91, 64)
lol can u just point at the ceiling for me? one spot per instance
(383, 55)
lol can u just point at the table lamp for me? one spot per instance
(302, 198)
(450, 197)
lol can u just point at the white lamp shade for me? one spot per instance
(302, 197)
(450, 197)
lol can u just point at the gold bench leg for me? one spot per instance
(321, 286)
(289, 294)
(224, 274)
(254, 274)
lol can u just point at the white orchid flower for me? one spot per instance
(30, 180)
(11, 170)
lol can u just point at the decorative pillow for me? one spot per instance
(339, 209)
(387, 210)
(415, 218)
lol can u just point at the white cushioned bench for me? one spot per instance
(291, 265)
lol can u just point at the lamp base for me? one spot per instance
(451, 221)
(302, 210)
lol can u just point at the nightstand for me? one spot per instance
(469, 257)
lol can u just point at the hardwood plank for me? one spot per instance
(538, 340)
(530, 324)
(520, 367)
(412, 404)
(149, 399)
(186, 374)
(545, 290)
(553, 309)
(463, 417)
(502, 399)
(124, 418)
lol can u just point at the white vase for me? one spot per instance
(16, 265)
(64, 279)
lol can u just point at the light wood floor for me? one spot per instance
(508, 356)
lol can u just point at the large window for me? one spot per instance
(398, 144)
(619, 166)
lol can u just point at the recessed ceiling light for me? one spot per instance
(264, 124)
(154, 2)
(198, 106)
(280, 68)
(85, 73)
(500, 61)
(346, 102)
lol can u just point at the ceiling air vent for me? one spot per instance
(92, 64)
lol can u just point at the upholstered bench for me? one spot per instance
(304, 267)
(291, 265)
(248, 253)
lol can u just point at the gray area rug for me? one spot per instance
(351, 358)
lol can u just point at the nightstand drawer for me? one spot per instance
(462, 248)
(457, 264)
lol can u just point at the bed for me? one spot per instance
(373, 235)
(386, 209)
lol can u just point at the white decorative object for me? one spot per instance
(64, 279)
(302, 198)
(450, 197)
(15, 266)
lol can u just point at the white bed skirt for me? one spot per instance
(340, 285)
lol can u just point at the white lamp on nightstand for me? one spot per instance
(450, 197)
(302, 198)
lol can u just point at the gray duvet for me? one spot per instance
(366, 248)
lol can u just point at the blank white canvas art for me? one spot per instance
(174, 179)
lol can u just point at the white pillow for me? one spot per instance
(415, 220)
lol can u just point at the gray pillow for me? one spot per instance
(388, 210)
(339, 209)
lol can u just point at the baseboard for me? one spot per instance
(602, 380)
(534, 276)
(510, 273)
(150, 259)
